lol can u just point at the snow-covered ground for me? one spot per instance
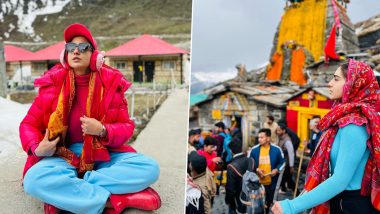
(11, 114)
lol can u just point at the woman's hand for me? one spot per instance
(46, 148)
(91, 126)
(276, 209)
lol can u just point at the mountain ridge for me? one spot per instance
(117, 20)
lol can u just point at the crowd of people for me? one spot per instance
(344, 147)
(221, 150)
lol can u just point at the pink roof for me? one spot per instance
(51, 52)
(13, 53)
(145, 45)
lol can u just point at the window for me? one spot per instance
(121, 65)
(168, 65)
(40, 67)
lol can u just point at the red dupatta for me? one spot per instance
(358, 106)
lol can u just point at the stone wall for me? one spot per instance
(161, 75)
(256, 116)
(23, 96)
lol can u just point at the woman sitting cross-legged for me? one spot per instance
(74, 135)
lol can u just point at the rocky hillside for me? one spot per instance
(39, 23)
(368, 32)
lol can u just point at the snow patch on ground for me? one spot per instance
(11, 115)
(11, 27)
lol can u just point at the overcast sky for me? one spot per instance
(226, 33)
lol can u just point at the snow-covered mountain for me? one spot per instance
(368, 32)
(202, 80)
(26, 12)
(35, 23)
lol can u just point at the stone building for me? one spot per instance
(312, 40)
(18, 65)
(146, 58)
(140, 60)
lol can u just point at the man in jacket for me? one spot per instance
(268, 160)
(202, 177)
(315, 134)
(286, 145)
(235, 172)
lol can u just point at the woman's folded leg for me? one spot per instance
(54, 181)
(125, 173)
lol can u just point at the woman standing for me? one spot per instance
(74, 135)
(349, 149)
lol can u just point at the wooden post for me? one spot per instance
(172, 77)
(154, 93)
(3, 75)
(298, 173)
(147, 104)
(133, 104)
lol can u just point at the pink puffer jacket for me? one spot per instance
(117, 122)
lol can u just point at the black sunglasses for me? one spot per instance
(82, 47)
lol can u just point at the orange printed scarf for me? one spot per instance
(93, 150)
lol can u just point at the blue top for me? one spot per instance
(348, 157)
(226, 142)
(275, 155)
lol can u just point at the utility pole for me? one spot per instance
(3, 76)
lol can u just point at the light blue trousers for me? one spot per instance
(54, 181)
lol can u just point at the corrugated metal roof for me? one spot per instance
(197, 98)
(266, 93)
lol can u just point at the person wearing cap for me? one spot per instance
(203, 177)
(75, 132)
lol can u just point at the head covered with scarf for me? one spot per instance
(357, 106)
